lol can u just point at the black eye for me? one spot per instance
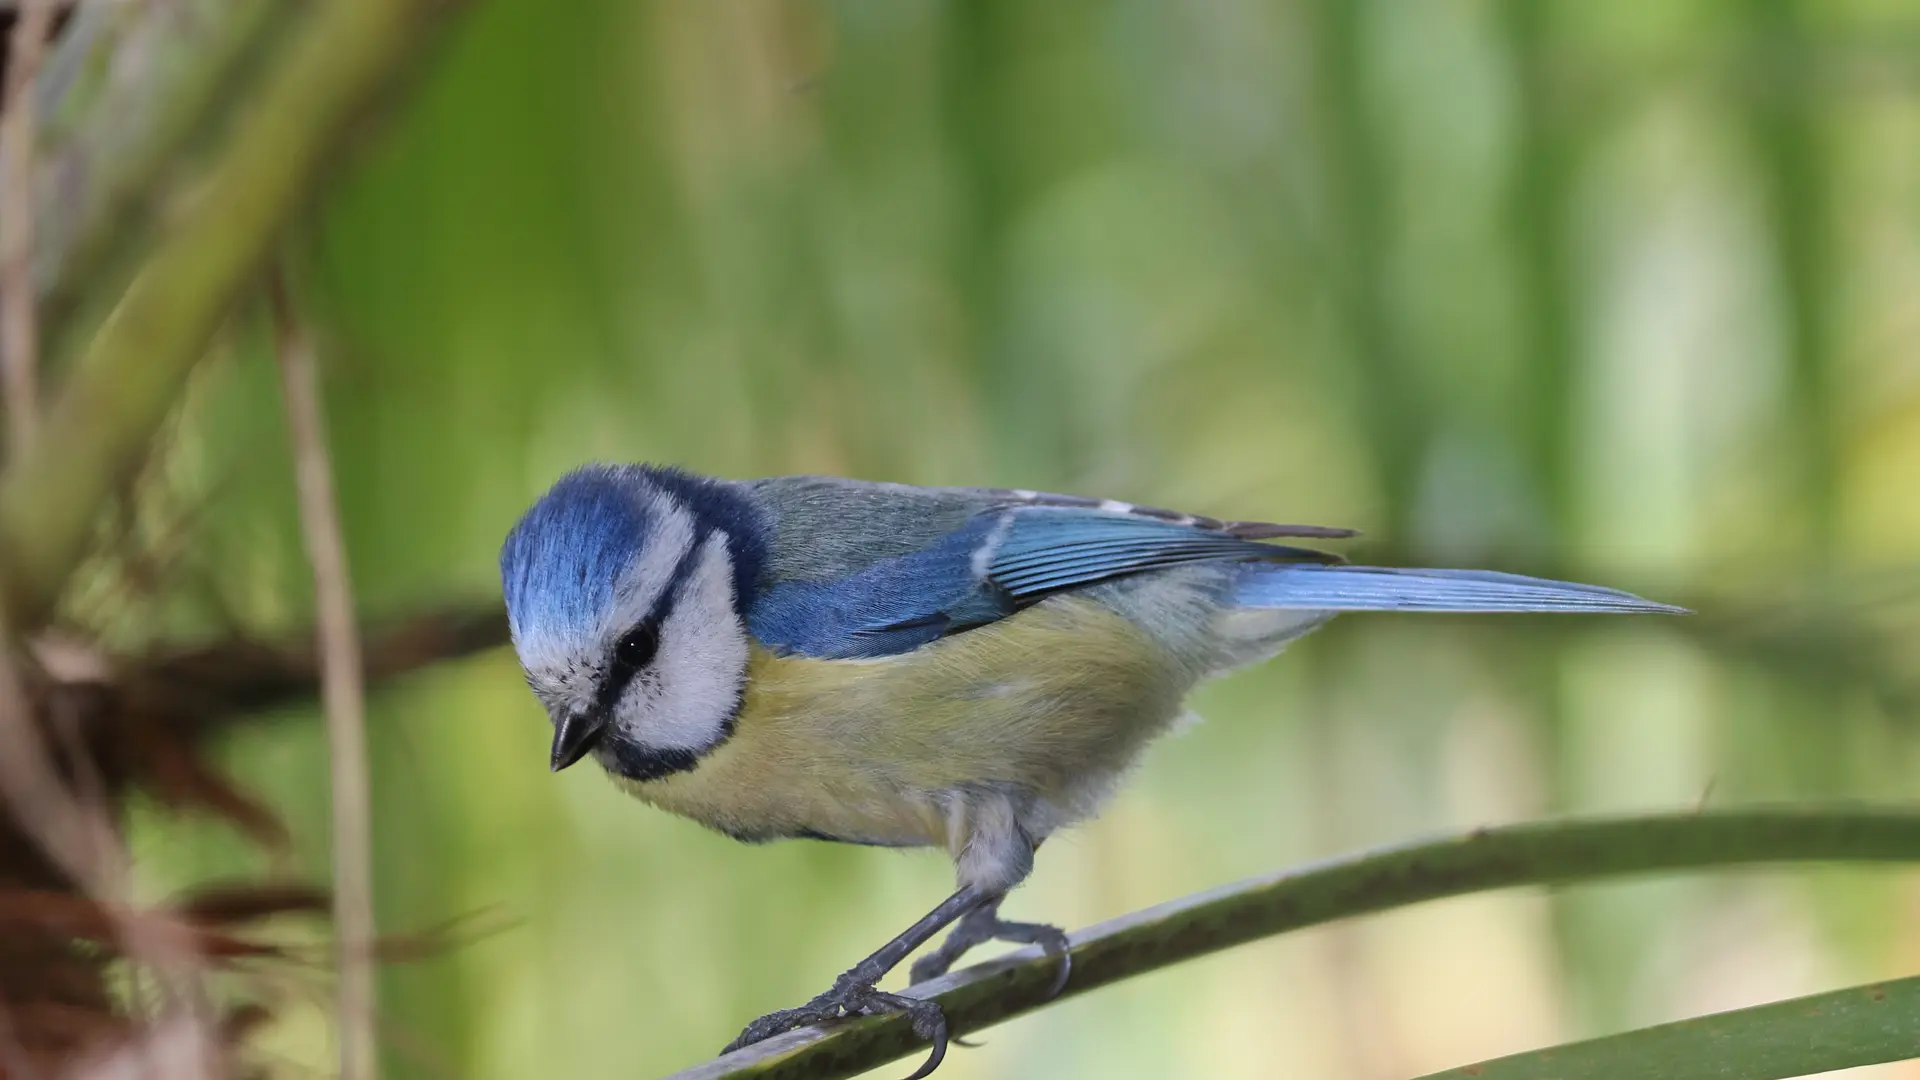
(636, 649)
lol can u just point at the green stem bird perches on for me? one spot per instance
(1545, 853)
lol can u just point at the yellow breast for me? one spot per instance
(1044, 706)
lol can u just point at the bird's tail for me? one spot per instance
(1288, 586)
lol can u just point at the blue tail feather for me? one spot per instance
(1377, 588)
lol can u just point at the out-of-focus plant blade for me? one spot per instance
(1538, 192)
(1862, 1025)
(1783, 99)
(1855, 635)
(1827, 634)
(98, 429)
(1852, 631)
(1396, 429)
(126, 87)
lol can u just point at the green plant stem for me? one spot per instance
(99, 428)
(1784, 98)
(1543, 853)
(1862, 1025)
(126, 89)
(1387, 386)
(342, 691)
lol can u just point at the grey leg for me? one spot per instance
(854, 993)
(984, 924)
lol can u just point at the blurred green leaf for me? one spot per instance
(131, 376)
(1862, 1025)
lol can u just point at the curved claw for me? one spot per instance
(1053, 941)
(935, 1033)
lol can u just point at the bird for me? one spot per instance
(966, 669)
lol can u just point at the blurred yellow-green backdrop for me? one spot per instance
(1624, 291)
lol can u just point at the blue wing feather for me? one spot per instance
(889, 606)
(997, 562)
(1048, 549)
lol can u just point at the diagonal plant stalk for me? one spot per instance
(342, 57)
(1861, 1025)
(287, 134)
(1540, 853)
(19, 136)
(127, 89)
(342, 688)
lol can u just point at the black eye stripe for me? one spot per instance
(638, 647)
(633, 652)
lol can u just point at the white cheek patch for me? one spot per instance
(686, 697)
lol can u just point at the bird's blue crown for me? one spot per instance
(560, 564)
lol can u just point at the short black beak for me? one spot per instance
(574, 735)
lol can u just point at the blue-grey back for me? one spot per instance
(824, 527)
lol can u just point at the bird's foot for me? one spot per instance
(849, 997)
(984, 924)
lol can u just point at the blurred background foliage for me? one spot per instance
(1619, 291)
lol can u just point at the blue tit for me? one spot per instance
(971, 669)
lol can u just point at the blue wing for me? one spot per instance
(1045, 550)
(998, 561)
